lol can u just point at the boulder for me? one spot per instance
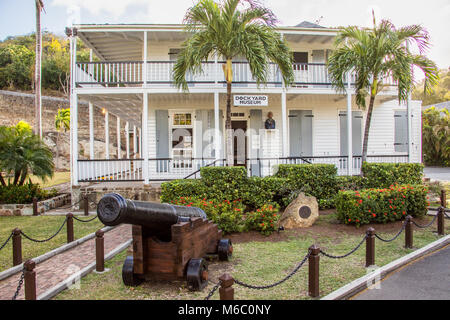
(301, 213)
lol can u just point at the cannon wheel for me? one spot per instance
(197, 274)
(225, 249)
(128, 276)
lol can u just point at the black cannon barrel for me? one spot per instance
(113, 209)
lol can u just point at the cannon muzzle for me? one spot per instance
(113, 209)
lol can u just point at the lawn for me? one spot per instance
(40, 227)
(263, 262)
(58, 178)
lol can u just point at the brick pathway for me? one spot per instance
(58, 268)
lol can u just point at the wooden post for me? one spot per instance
(17, 246)
(86, 205)
(30, 280)
(313, 283)
(35, 207)
(370, 247)
(99, 251)
(69, 227)
(226, 291)
(441, 221)
(443, 198)
(409, 233)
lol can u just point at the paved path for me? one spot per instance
(58, 268)
(437, 173)
(425, 279)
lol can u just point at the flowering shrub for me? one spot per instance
(229, 215)
(24, 194)
(381, 205)
(264, 220)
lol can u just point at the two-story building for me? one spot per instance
(133, 80)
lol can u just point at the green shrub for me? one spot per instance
(383, 175)
(24, 194)
(260, 191)
(228, 215)
(318, 180)
(264, 219)
(173, 190)
(351, 183)
(224, 183)
(381, 205)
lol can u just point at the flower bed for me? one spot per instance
(231, 216)
(381, 205)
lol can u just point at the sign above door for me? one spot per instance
(250, 101)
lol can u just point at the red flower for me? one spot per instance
(374, 215)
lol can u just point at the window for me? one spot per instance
(182, 139)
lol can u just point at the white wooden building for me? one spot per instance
(133, 81)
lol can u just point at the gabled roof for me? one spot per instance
(307, 24)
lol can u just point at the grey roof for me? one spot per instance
(442, 105)
(307, 24)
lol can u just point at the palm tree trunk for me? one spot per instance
(23, 177)
(229, 132)
(37, 74)
(57, 149)
(367, 129)
(17, 174)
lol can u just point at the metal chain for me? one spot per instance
(6, 242)
(395, 237)
(347, 254)
(425, 226)
(89, 220)
(278, 282)
(19, 286)
(445, 213)
(48, 239)
(214, 289)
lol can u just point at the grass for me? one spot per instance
(40, 227)
(258, 263)
(58, 178)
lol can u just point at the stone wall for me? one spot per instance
(16, 106)
(27, 209)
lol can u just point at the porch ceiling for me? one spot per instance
(324, 39)
(128, 107)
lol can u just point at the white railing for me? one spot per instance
(110, 170)
(169, 169)
(111, 73)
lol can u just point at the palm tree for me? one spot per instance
(226, 31)
(22, 153)
(375, 55)
(62, 123)
(38, 71)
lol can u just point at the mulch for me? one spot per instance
(331, 228)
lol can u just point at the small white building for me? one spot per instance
(133, 81)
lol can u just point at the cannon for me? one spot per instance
(169, 242)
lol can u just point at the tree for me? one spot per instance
(16, 63)
(229, 29)
(56, 67)
(22, 153)
(375, 55)
(439, 93)
(436, 137)
(37, 74)
(62, 123)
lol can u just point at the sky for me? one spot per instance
(17, 17)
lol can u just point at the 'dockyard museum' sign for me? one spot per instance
(249, 101)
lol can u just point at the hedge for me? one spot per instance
(381, 205)
(383, 175)
(14, 194)
(318, 180)
(171, 191)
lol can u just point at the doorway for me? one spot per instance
(239, 142)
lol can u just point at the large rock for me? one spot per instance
(301, 213)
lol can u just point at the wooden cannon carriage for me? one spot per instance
(169, 242)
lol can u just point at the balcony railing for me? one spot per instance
(164, 169)
(159, 73)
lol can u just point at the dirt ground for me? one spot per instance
(325, 226)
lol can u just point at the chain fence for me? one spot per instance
(84, 221)
(48, 239)
(19, 285)
(6, 242)
(426, 225)
(214, 289)
(278, 282)
(347, 254)
(395, 237)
